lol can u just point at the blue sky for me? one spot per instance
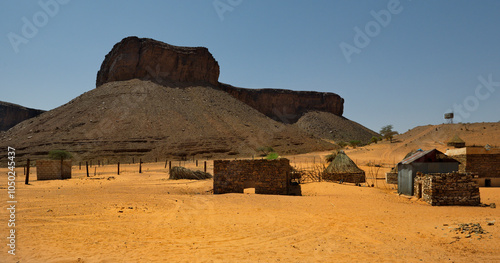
(407, 70)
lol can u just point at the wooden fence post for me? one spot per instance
(140, 166)
(205, 167)
(27, 181)
(166, 162)
(196, 163)
(169, 167)
(87, 166)
(80, 166)
(118, 168)
(62, 161)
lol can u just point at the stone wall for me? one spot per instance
(355, 178)
(51, 169)
(391, 178)
(441, 189)
(484, 165)
(266, 176)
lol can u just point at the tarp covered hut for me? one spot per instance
(342, 168)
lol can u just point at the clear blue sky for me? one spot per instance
(427, 58)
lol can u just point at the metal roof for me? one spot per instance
(416, 156)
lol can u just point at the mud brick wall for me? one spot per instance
(391, 178)
(51, 169)
(484, 165)
(267, 176)
(345, 177)
(447, 189)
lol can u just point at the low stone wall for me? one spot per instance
(355, 178)
(51, 169)
(266, 176)
(441, 189)
(391, 178)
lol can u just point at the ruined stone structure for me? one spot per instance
(53, 169)
(441, 189)
(266, 176)
(483, 161)
(12, 114)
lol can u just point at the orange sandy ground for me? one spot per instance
(135, 217)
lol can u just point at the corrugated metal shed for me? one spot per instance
(419, 154)
(431, 161)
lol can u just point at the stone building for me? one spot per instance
(483, 161)
(53, 169)
(447, 189)
(266, 176)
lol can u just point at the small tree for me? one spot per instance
(354, 143)
(266, 150)
(58, 154)
(374, 139)
(342, 145)
(387, 132)
(329, 158)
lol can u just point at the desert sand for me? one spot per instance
(145, 217)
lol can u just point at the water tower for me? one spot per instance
(449, 117)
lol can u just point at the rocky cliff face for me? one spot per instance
(287, 106)
(164, 64)
(172, 66)
(12, 114)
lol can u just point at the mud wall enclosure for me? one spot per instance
(53, 169)
(266, 176)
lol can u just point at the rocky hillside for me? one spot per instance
(141, 119)
(332, 127)
(154, 100)
(173, 66)
(287, 106)
(12, 114)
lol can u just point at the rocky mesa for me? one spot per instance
(168, 65)
(12, 114)
(164, 64)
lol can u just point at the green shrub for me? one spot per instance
(354, 143)
(342, 144)
(272, 156)
(329, 158)
(58, 154)
(265, 150)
